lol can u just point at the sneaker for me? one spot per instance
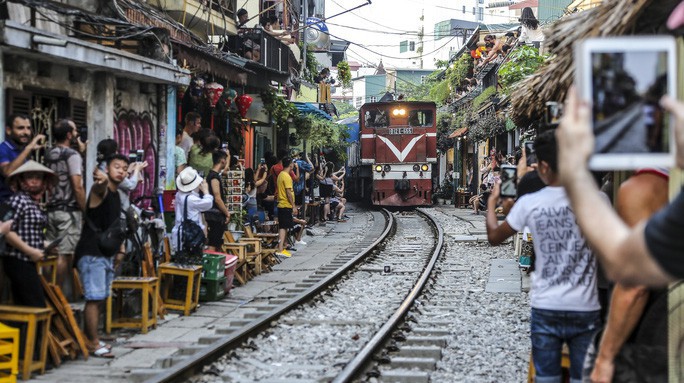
(300, 243)
(284, 253)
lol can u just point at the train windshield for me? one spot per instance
(420, 118)
(376, 118)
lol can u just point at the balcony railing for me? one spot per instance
(257, 45)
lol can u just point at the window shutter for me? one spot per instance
(79, 112)
(19, 102)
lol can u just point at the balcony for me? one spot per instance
(197, 16)
(262, 48)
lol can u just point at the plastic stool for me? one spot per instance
(192, 274)
(9, 353)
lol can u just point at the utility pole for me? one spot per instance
(305, 5)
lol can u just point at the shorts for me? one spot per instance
(333, 204)
(215, 230)
(67, 223)
(325, 190)
(285, 220)
(96, 274)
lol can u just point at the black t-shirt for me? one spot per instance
(530, 183)
(213, 175)
(664, 240)
(101, 217)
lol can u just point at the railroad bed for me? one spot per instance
(469, 326)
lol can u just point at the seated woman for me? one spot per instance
(479, 201)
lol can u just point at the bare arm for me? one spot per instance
(79, 191)
(496, 233)
(621, 250)
(216, 191)
(16, 242)
(8, 167)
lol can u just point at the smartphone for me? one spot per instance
(224, 146)
(262, 161)
(6, 212)
(553, 113)
(508, 181)
(83, 133)
(529, 153)
(139, 155)
(132, 156)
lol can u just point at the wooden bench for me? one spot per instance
(149, 287)
(191, 274)
(34, 317)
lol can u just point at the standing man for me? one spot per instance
(286, 202)
(193, 123)
(97, 269)
(303, 166)
(243, 17)
(17, 147)
(563, 294)
(67, 198)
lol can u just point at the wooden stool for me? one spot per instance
(565, 364)
(192, 275)
(9, 353)
(33, 317)
(48, 262)
(149, 287)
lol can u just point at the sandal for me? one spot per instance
(103, 344)
(102, 352)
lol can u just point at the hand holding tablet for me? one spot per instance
(624, 78)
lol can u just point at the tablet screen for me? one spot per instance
(626, 87)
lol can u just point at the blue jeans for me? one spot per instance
(96, 274)
(549, 330)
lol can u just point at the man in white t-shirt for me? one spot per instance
(563, 295)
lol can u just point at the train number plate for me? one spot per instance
(400, 130)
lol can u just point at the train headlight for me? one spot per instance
(402, 112)
(399, 112)
(378, 168)
(424, 167)
(416, 167)
(388, 168)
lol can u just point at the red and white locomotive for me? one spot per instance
(398, 142)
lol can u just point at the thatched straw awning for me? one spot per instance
(612, 18)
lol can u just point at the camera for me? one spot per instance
(508, 179)
(83, 133)
(139, 154)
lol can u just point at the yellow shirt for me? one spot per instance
(284, 187)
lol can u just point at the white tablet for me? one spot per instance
(624, 79)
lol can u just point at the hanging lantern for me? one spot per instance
(243, 103)
(213, 91)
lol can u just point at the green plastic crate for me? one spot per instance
(212, 290)
(213, 265)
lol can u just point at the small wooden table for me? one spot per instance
(33, 317)
(149, 287)
(462, 199)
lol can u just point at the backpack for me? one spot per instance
(190, 240)
(109, 240)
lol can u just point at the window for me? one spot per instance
(420, 118)
(358, 102)
(372, 99)
(423, 78)
(480, 14)
(375, 118)
(412, 46)
(474, 9)
(464, 11)
(403, 46)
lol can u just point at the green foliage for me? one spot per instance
(345, 109)
(325, 134)
(486, 126)
(279, 109)
(441, 63)
(457, 72)
(419, 92)
(344, 74)
(311, 64)
(444, 128)
(523, 61)
(484, 96)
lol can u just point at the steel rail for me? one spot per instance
(193, 364)
(364, 356)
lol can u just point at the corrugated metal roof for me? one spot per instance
(459, 132)
(309, 108)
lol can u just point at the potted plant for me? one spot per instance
(447, 191)
(236, 225)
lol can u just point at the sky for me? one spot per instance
(393, 16)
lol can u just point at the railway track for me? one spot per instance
(330, 329)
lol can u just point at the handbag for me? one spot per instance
(191, 239)
(109, 240)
